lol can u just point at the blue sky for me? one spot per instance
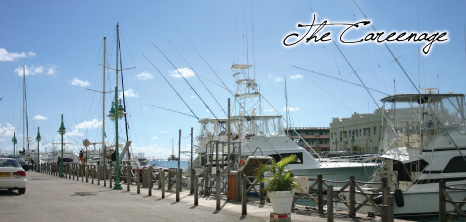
(61, 44)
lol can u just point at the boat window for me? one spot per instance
(278, 157)
(404, 170)
(457, 164)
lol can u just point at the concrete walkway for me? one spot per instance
(49, 198)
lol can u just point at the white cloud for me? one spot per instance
(78, 82)
(291, 109)
(33, 70)
(185, 72)
(269, 110)
(39, 117)
(74, 132)
(129, 94)
(51, 70)
(297, 76)
(164, 131)
(94, 123)
(276, 79)
(155, 138)
(193, 97)
(144, 76)
(6, 56)
(6, 132)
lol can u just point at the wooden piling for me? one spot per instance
(196, 187)
(330, 203)
(352, 197)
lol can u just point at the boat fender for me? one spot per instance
(399, 198)
(378, 199)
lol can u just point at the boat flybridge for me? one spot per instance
(254, 134)
(424, 142)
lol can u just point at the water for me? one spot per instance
(170, 164)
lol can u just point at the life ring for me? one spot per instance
(399, 198)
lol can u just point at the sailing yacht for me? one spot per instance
(254, 134)
(424, 142)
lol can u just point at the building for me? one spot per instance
(361, 133)
(316, 137)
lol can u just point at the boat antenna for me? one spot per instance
(173, 88)
(391, 53)
(287, 110)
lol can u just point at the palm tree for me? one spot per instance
(280, 179)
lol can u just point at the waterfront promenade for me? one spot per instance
(49, 198)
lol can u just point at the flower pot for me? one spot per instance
(281, 201)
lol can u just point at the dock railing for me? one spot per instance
(445, 198)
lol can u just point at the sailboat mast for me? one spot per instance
(24, 104)
(103, 108)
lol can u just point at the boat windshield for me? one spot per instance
(412, 120)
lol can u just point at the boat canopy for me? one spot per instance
(416, 97)
(402, 154)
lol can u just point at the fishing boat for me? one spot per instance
(255, 134)
(424, 142)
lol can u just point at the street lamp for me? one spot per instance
(14, 143)
(116, 112)
(38, 142)
(62, 131)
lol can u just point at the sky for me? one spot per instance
(60, 44)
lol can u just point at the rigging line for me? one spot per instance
(340, 79)
(123, 92)
(166, 80)
(224, 112)
(391, 53)
(172, 110)
(187, 82)
(354, 70)
(226, 87)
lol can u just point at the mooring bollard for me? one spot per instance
(196, 187)
(150, 180)
(193, 171)
(86, 172)
(162, 174)
(178, 185)
(330, 203)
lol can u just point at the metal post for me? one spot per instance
(99, 169)
(352, 197)
(92, 173)
(62, 131)
(105, 174)
(86, 172)
(320, 195)
(330, 203)
(159, 179)
(442, 204)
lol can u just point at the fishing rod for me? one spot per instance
(340, 80)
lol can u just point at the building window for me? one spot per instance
(375, 130)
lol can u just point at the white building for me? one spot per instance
(360, 133)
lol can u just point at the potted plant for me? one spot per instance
(279, 184)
